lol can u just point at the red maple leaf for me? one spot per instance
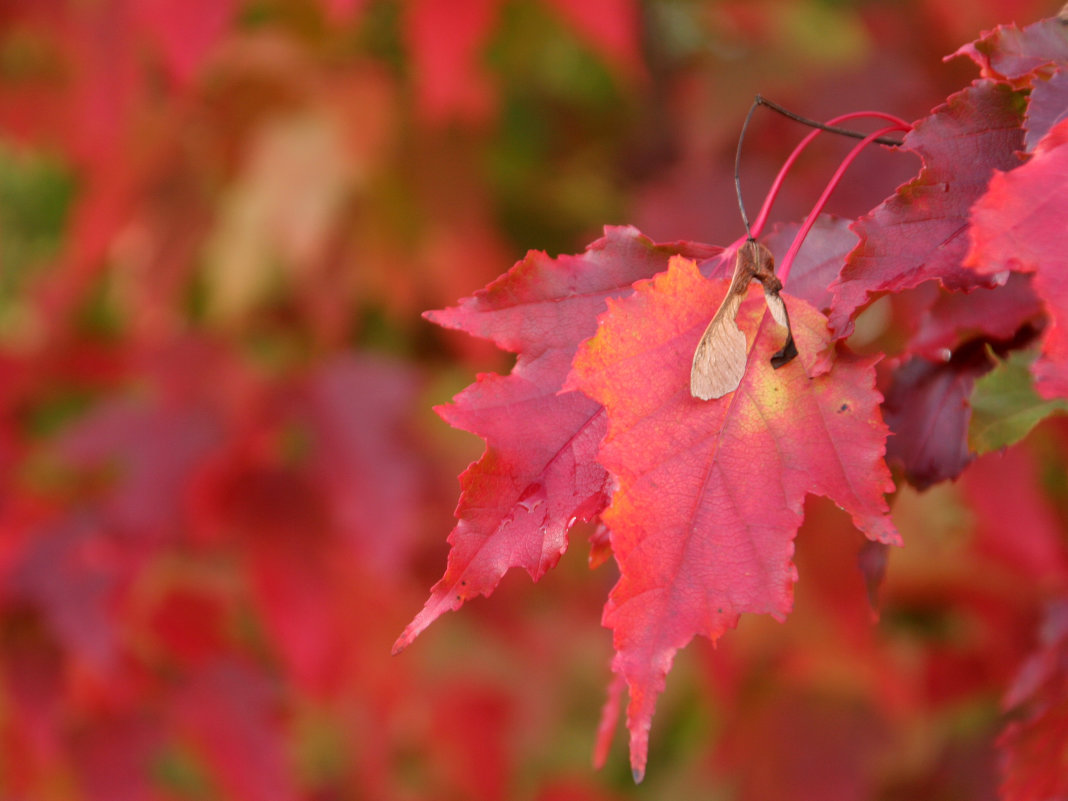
(1031, 58)
(943, 321)
(927, 411)
(1048, 106)
(1016, 55)
(536, 479)
(927, 399)
(708, 495)
(1019, 225)
(919, 234)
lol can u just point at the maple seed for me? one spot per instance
(719, 361)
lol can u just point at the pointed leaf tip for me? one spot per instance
(609, 719)
(442, 599)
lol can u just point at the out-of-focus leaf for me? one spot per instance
(776, 748)
(948, 320)
(927, 411)
(1005, 405)
(1015, 522)
(231, 714)
(445, 38)
(1034, 764)
(185, 31)
(276, 218)
(71, 571)
(610, 26)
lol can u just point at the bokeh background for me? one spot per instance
(223, 491)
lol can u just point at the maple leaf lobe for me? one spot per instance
(539, 473)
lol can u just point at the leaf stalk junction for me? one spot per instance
(720, 357)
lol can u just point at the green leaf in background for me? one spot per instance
(1005, 406)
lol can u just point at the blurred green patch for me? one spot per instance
(320, 750)
(100, 314)
(380, 34)
(53, 409)
(182, 775)
(555, 160)
(26, 55)
(36, 191)
(1005, 405)
(824, 33)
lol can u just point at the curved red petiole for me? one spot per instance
(719, 360)
(898, 124)
(791, 254)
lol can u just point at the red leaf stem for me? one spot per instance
(791, 254)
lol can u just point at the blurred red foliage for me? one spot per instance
(222, 494)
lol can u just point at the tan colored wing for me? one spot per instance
(777, 307)
(719, 361)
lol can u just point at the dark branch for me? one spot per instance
(763, 101)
